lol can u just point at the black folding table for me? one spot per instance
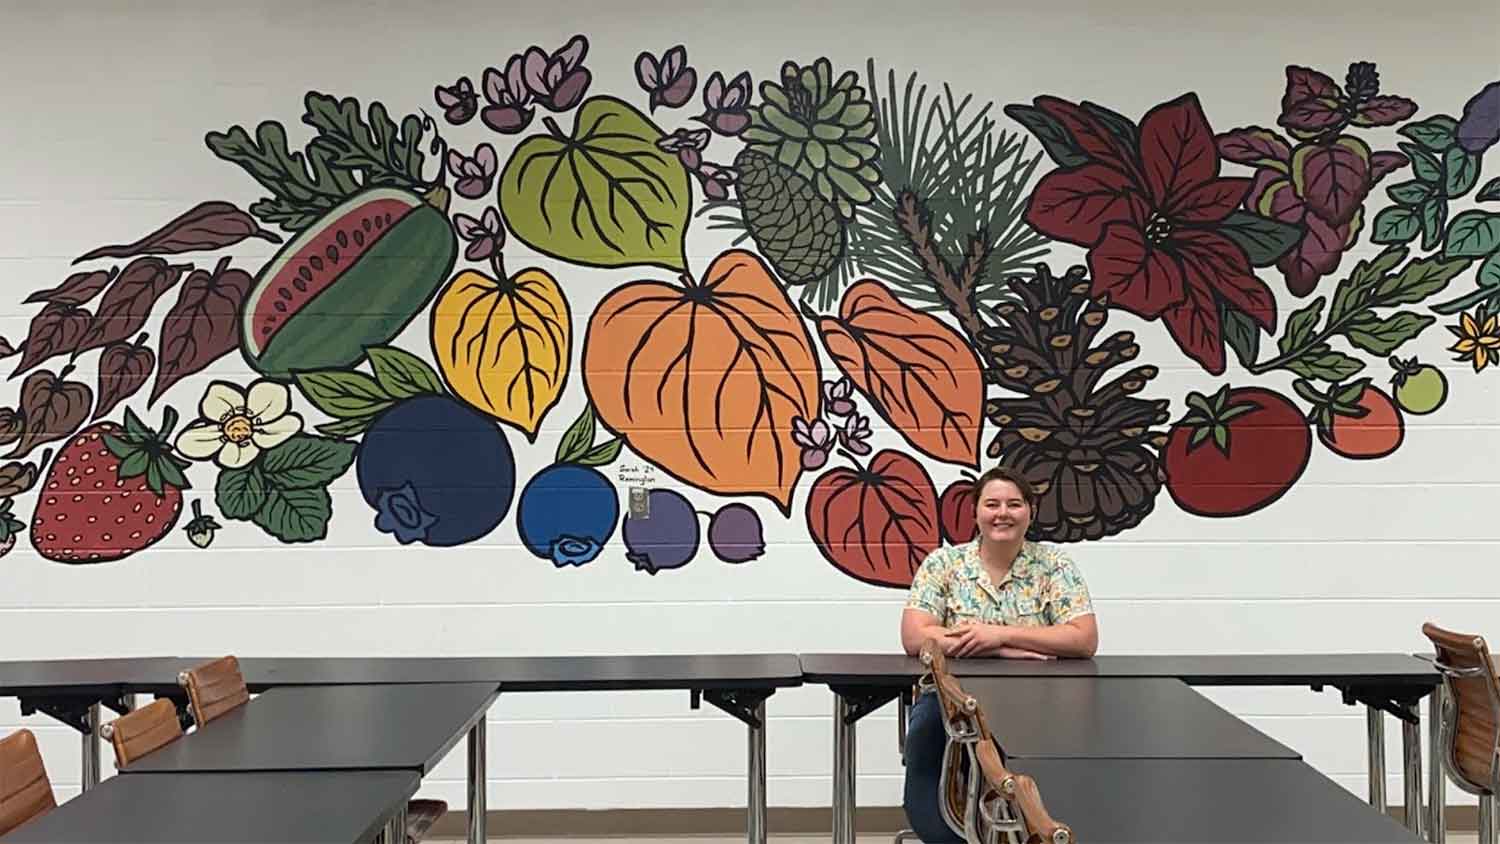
(1385, 683)
(302, 807)
(1205, 801)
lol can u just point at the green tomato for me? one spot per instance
(1419, 388)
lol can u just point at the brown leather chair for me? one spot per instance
(983, 800)
(1469, 726)
(218, 687)
(25, 791)
(136, 734)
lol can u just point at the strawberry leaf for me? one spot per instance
(306, 462)
(240, 493)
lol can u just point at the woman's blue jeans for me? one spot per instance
(925, 742)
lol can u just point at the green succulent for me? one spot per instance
(820, 128)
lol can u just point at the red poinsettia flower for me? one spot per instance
(1148, 207)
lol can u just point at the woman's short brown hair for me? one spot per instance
(1007, 473)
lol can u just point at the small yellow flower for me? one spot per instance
(1478, 338)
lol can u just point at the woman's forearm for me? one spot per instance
(1069, 640)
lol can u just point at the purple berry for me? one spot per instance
(735, 535)
(1479, 129)
(667, 538)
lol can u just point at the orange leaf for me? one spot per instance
(919, 374)
(704, 379)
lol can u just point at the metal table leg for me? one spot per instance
(1375, 726)
(1437, 782)
(1411, 774)
(478, 783)
(755, 823)
(844, 769)
(91, 748)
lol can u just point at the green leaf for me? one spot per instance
(1395, 224)
(402, 374)
(1263, 239)
(350, 427)
(1418, 280)
(579, 437)
(295, 515)
(305, 461)
(1473, 234)
(343, 393)
(1325, 364)
(1411, 192)
(380, 152)
(606, 196)
(1383, 336)
(1435, 133)
(1353, 291)
(299, 197)
(1301, 326)
(1461, 171)
(602, 454)
(1241, 333)
(1424, 165)
(240, 493)
(1434, 214)
(134, 465)
(1053, 137)
(1490, 192)
(1489, 272)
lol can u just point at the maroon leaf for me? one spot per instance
(876, 524)
(6, 349)
(204, 227)
(55, 331)
(126, 306)
(1195, 324)
(52, 407)
(1315, 256)
(1382, 164)
(202, 326)
(1311, 101)
(1256, 147)
(123, 368)
(77, 288)
(1333, 178)
(1384, 111)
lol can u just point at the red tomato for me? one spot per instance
(1236, 452)
(1376, 434)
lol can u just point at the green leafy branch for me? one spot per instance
(305, 186)
(354, 399)
(1351, 314)
(1443, 171)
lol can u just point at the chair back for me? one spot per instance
(143, 731)
(1470, 722)
(25, 791)
(215, 688)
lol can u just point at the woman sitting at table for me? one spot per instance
(999, 595)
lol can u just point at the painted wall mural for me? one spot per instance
(888, 271)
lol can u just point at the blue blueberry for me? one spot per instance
(567, 513)
(667, 538)
(436, 471)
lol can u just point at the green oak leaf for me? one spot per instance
(604, 196)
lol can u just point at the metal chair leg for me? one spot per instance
(1487, 819)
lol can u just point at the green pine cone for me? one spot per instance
(797, 230)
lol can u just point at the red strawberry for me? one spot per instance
(111, 492)
(10, 528)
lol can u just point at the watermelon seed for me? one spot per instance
(365, 224)
(280, 306)
(300, 285)
(317, 263)
(359, 236)
(343, 240)
(332, 253)
(284, 293)
(305, 274)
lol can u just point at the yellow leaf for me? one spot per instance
(504, 346)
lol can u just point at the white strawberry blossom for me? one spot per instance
(235, 425)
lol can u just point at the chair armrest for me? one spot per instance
(1023, 792)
